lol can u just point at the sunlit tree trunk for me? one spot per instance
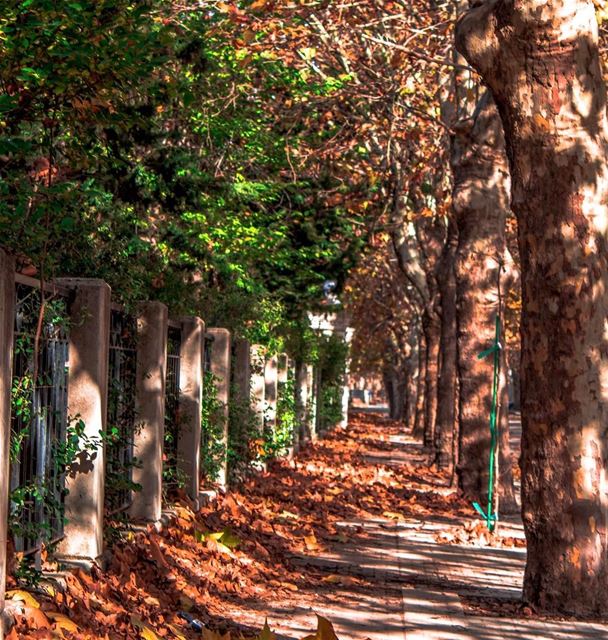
(480, 204)
(541, 61)
(506, 489)
(412, 385)
(446, 426)
(431, 324)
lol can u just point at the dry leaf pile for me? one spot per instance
(476, 534)
(178, 584)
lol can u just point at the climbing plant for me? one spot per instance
(213, 449)
(332, 358)
(286, 416)
(244, 435)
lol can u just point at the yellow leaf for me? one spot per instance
(325, 629)
(311, 542)
(49, 590)
(266, 633)
(145, 631)
(258, 4)
(24, 596)
(228, 539)
(393, 516)
(176, 632)
(62, 622)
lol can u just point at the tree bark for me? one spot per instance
(446, 426)
(506, 489)
(395, 383)
(541, 61)
(480, 204)
(432, 336)
(412, 385)
(418, 431)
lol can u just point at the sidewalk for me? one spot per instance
(394, 581)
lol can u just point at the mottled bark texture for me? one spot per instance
(395, 386)
(446, 426)
(506, 490)
(431, 325)
(541, 61)
(418, 430)
(412, 382)
(480, 205)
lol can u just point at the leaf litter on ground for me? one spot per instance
(209, 570)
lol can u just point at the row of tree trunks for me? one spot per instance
(541, 60)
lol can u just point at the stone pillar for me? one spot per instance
(313, 402)
(348, 338)
(190, 403)
(152, 324)
(7, 322)
(242, 370)
(258, 364)
(220, 368)
(301, 389)
(282, 368)
(87, 399)
(271, 379)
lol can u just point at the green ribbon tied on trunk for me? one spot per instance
(491, 515)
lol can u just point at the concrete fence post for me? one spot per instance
(242, 370)
(313, 401)
(282, 368)
(89, 343)
(301, 391)
(271, 379)
(348, 338)
(190, 404)
(7, 323)
(152, 324)
(220, 368)
(258, 364)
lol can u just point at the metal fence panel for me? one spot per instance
(122, 419)
(172, 391)
(39, 415)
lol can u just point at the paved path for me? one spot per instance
(396, 582)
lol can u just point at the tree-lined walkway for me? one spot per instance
(356, 528)
(413, 580)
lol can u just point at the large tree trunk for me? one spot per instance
(411, 384)
(480, 203)
(506, 488)
(387, 380)
(542, 63)
(431, 325)
(394, 383)
(418, 430)
(446, 426)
